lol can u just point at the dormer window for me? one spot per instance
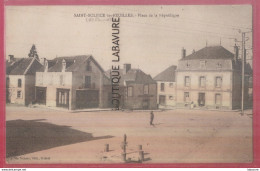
(219, 65)
(63, 65)
(202, 64)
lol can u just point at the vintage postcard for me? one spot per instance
(111, 84)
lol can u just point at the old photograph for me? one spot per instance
(108, 84)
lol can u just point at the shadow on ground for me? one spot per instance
(27, 136)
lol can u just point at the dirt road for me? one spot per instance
(38, 135)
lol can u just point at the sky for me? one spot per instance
(149, 43)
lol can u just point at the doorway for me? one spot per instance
(162, 100)
(62, 98)
(87, 99)
(201, 100)
(41, 95)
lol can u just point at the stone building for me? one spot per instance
(166, 88)
(137, 90)
(209, 79)
(20, 79)
(74, 82)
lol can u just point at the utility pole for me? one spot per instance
(243, 72)
(243, 69)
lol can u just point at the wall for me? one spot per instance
(52, 80)
(73, 81)
(78, 82)
(237, 90)
(136, 101)
(168, 91)
(210, 90)
(13, 88)
(29, 89)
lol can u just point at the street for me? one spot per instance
(42, 135)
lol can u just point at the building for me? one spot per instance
(209, 79)
(74, 82)
(20, 79)
(137, 90)
(166, 88)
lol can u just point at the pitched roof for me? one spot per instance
(133, 75)
(20, 66)
(55, 65)
(211, 52)
(167, 75)
(72, 63)
(11, 64)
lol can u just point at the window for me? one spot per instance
(202, 64)
(171, 85)
(19, 83)
(170, 97)
(202, 81)
(187, 81)
(219, 65)
(162, 86)
(87, 81)
(146, 89)
(218, 99)
(186, 96)
(63, 97)
(187, 65)
(130, 91)
(88, 67)
(218, 82)
(19, 94)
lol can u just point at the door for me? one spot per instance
(162, 100)
(201, 100)
(146, 103)
(41, 95)
(62, 98)
(87, 99)
(218, 99)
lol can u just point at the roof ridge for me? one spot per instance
(25, 72)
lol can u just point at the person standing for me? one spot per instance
(151, 118)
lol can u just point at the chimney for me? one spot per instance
(10, 58)
(183, 53)
(127, 67)
(236, 52)
(45, 61)
(63, 65)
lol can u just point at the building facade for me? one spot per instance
(75, 82)
(166, 88)
(137, 90)
(209, 79)
(20, 79)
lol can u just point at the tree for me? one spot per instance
(33, 52)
